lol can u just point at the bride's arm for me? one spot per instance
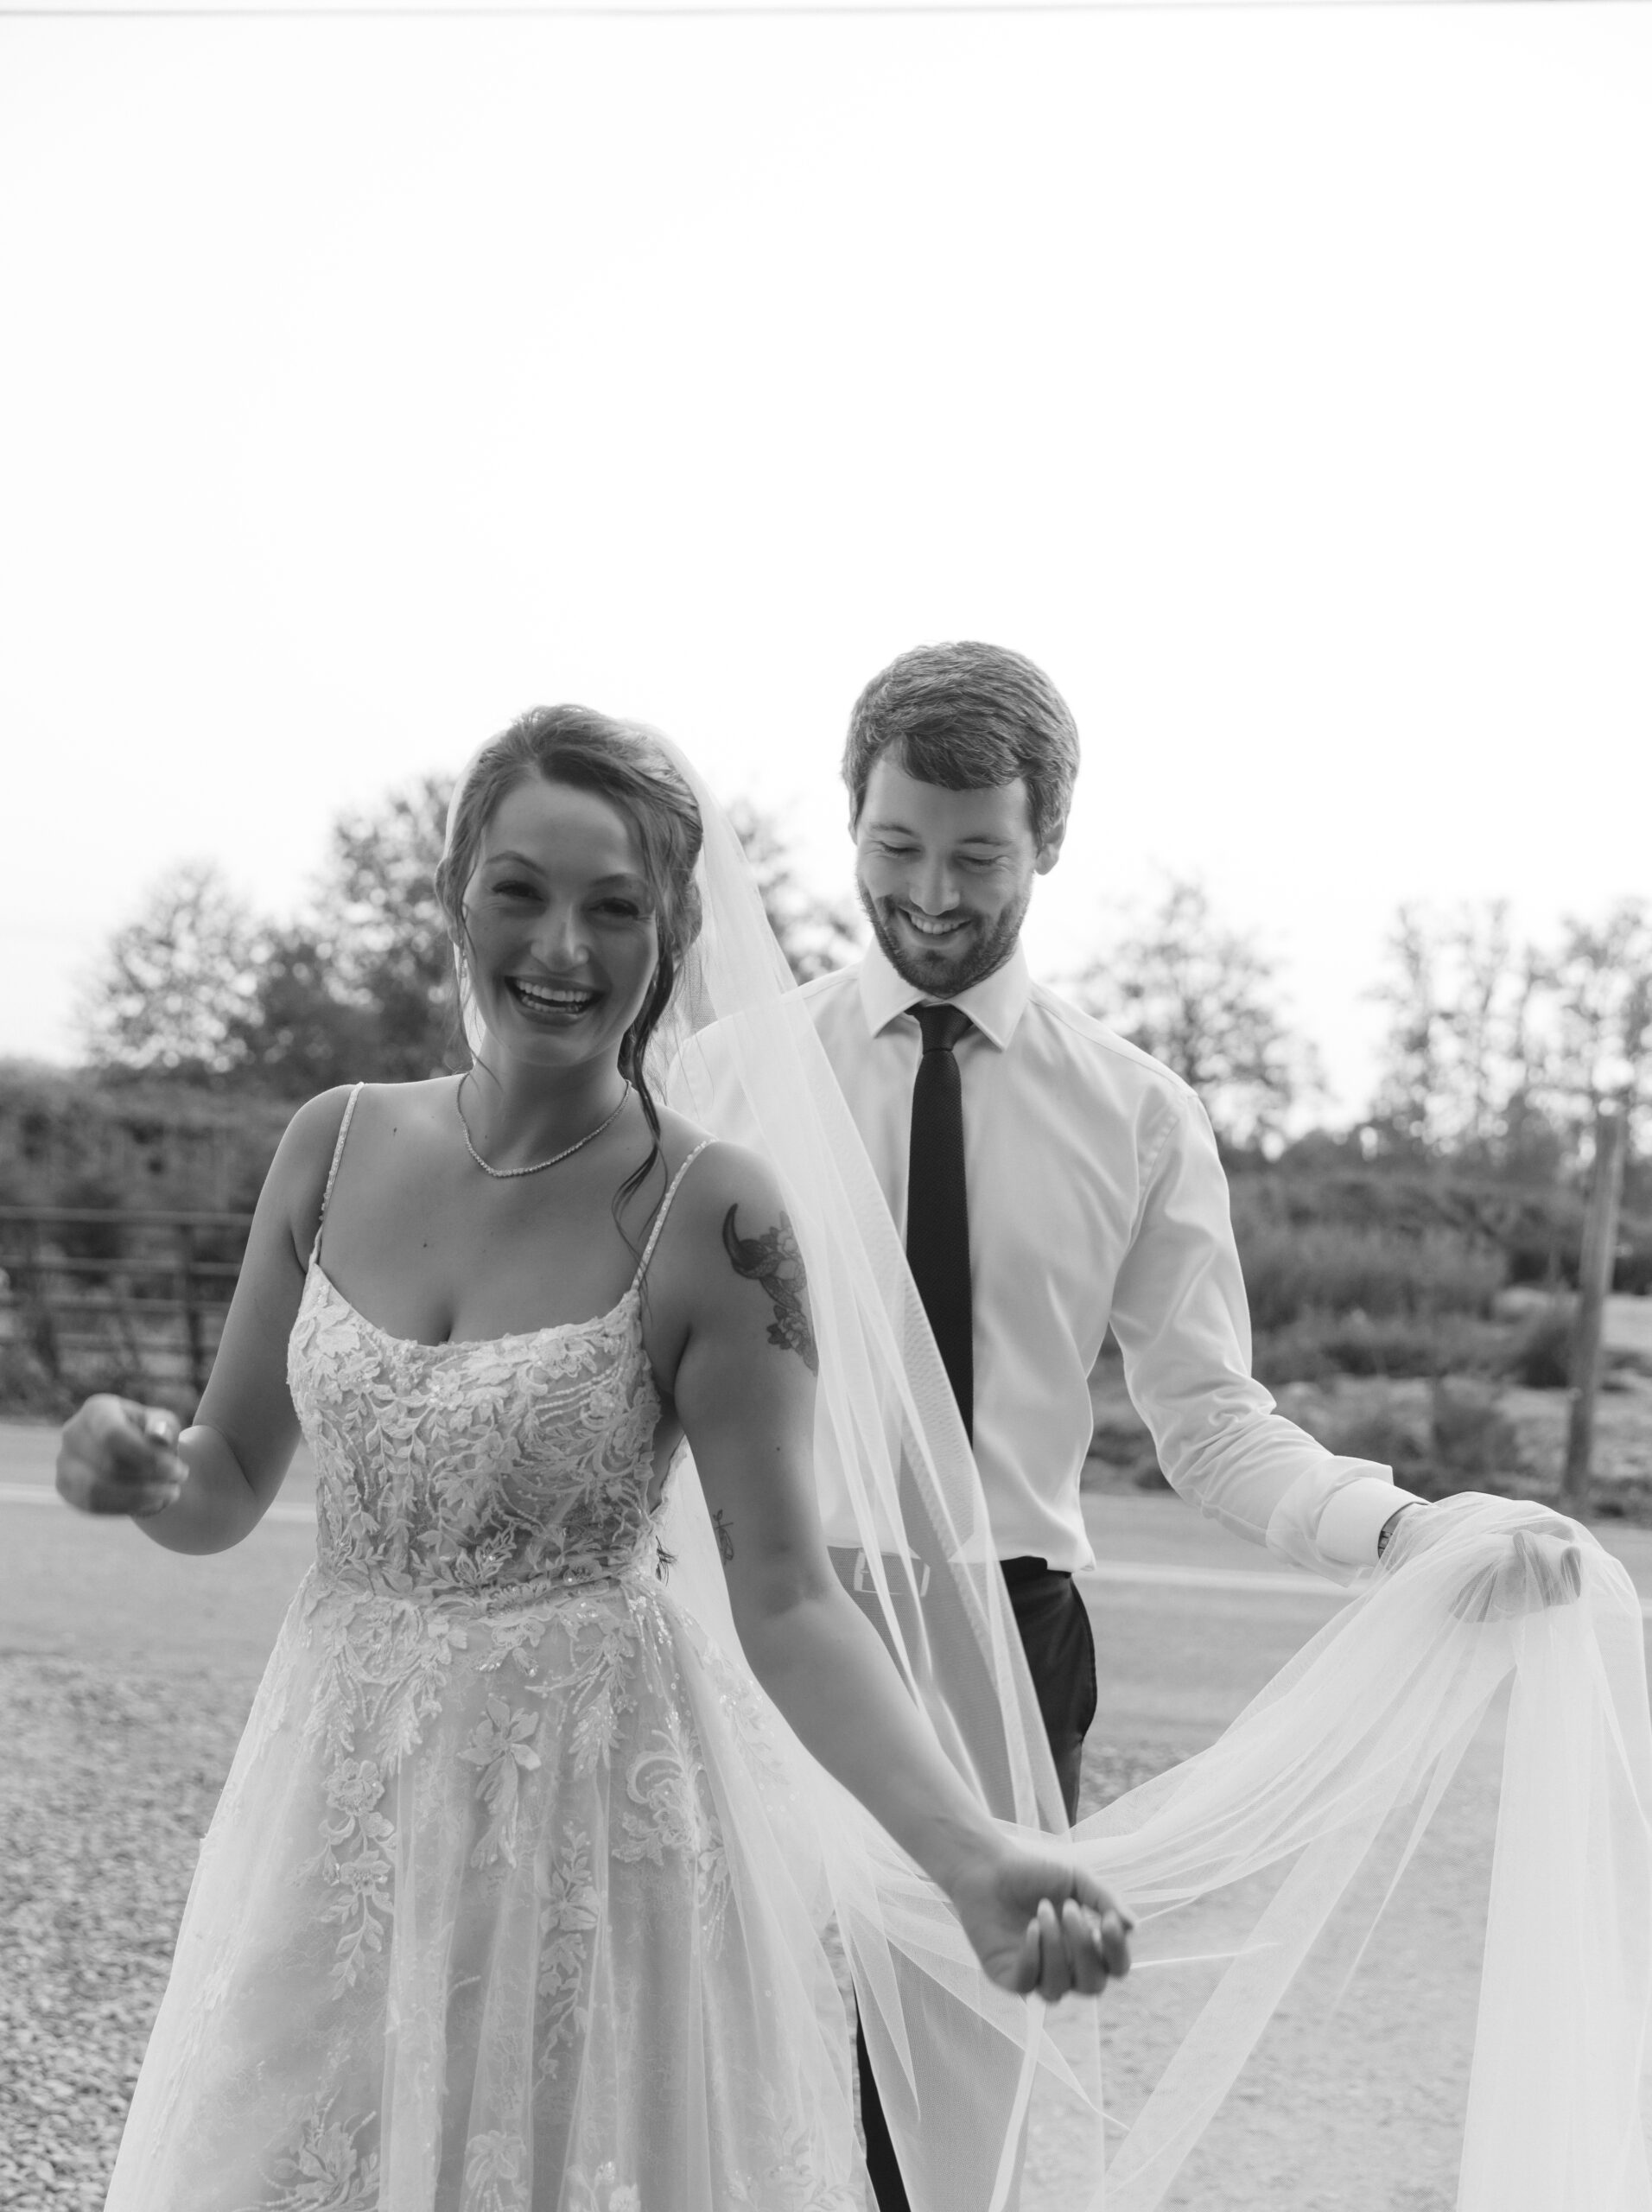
(744, 1389)
(206, 1490)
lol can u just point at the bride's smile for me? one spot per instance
(560, 921)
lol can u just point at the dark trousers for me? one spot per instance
(1061, 1658)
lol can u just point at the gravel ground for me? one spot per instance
(105, 1794)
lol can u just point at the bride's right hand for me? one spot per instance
(117, 1456)
(1039, 1922)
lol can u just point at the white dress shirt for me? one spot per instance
(1096, 1196)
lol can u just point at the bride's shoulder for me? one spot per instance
(311, 1137)
(715, 1175)
(318, 1121)
(316, 1135)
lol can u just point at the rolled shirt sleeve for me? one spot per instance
(1183, 1323)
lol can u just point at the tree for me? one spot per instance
(1202, 999)
(1406, 1108)
(200, 989)
(176, 982)
(1467, 1063)
(815, 933)
(300, 1036)
(382, 933)
(1601, 979)
(1498, 1053)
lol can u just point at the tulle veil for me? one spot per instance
(1324, 1783)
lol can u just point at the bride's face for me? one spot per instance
(561, 919)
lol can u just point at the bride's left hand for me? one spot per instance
(1039, 1922)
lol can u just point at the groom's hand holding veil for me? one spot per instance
(1538, 1563)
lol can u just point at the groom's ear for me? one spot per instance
(1050, 850)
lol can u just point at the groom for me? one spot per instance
(1049, 1179)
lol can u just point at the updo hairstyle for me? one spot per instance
(624, 764)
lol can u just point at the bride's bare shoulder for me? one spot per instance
(312, 1133)
(723, 1178)
(304, 1158)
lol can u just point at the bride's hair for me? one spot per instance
(622, 762)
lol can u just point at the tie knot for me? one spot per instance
(942, 1025)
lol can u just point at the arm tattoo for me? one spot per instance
(725, 1536)
(774, 1259)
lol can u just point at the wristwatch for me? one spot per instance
(1387, 1529)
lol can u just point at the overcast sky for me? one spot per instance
(1277, 377)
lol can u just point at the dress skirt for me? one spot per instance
(509, 1906)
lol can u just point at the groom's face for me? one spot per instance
(945, 876)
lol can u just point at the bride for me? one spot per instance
(516, 1891)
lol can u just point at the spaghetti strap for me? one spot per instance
(332, 1172)
(665, 1208)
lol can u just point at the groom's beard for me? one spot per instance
(975, 951)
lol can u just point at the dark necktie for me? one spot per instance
(938, 1207)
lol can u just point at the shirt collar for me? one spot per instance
(995, 1004)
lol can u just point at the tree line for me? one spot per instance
(200, 989)
(1497, 1049)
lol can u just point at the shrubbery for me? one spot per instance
(1296, 1269)
(1347, 1291)
(67, 1139)
(1318, 1346)
(1541, 1358)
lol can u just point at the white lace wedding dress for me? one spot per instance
(508, 1901)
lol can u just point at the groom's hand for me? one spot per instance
(1540, 1565)
(117, 1456)
(1039, 1922)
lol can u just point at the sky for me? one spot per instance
(1276, 377)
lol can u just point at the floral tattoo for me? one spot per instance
(774, 1259)
(725, 1536)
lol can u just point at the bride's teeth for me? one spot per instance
(563, 1001)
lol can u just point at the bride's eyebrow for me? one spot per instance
(512, 859)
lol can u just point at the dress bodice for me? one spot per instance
(477, 1470)
(472, 1468)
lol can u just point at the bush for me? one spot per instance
(1464, 1440)
(1383, 1435)
(1541, 1358)
(29, 1391)
(1293, 1268)
(1473, 1439)
(1315, 1347)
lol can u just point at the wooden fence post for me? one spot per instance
(1594, 1286)
(40, 1322)
(192, 1318)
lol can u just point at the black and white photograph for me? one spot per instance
(826, 1106)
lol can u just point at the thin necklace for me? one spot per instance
(503, 1174)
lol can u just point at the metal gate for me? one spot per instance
(95, 1293)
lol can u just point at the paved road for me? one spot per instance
(1189, 1621)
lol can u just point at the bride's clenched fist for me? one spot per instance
(119, 1456)
(1039, 1922)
